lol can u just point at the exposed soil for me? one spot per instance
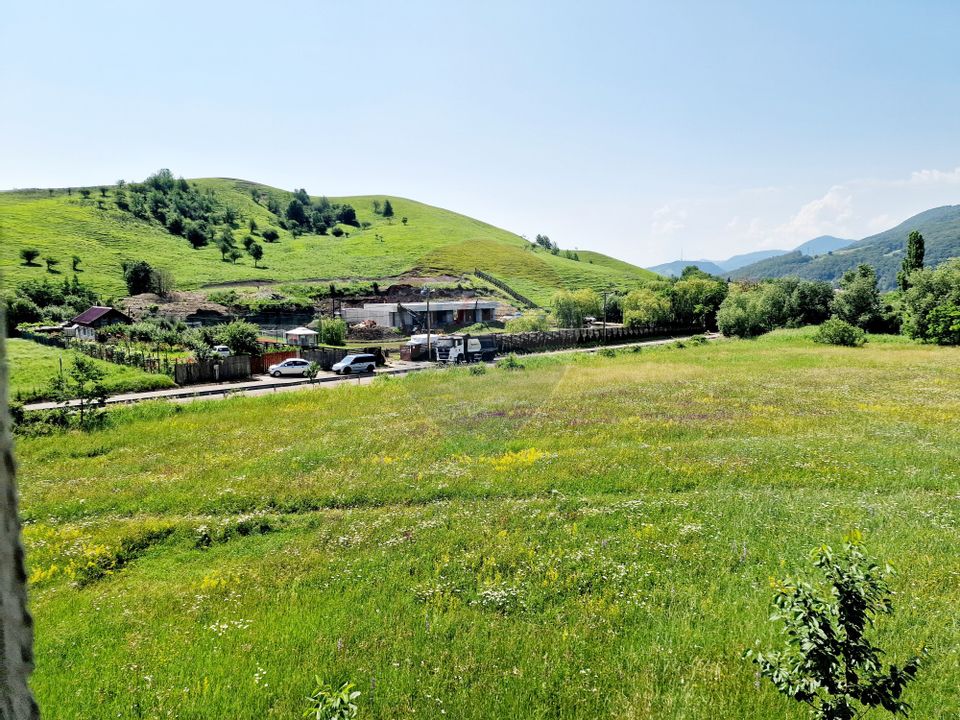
(183, 305)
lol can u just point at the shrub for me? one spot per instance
(327, 703)
(858, 301)
(478, 369)
(931, 307)
(529, 322)
(839, 332)
(337, 232)
(270, 235)
(510, 362)
(828, 662)
(333, 331)
(740, 314)
(241, 337)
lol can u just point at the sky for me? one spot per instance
(644, 130)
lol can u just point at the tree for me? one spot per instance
(696, 298)
(740, 314)
(828, 662)
(28, 255)
(233, 255)
(270, 235)
(376, 207)
(931, 307)
(337, 232)
(83, 382)
(138, 275)
(570, 308)
(348, 216)
(85, 193)
(161, 281)
(912, 261)
(241, 337)
(645, 307)
(252, 224)
(296, 213)
(103, 191)
(859, 299)
(75, 263)
(544, 242)
(51, 264)
(196, 235)
(404, 219)
(387, 209)
(248, 241)
(256, 252)
(21, 310)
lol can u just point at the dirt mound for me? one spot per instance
(187, 306)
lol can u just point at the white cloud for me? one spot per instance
(667, 221)
(935, 177)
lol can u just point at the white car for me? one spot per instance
(355, 364)
(221, 350)
(291, 366)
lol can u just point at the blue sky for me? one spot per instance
(640, 129)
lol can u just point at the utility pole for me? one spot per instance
(605, 293)
(425, 291)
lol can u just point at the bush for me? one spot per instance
(931, 307)
(332, 331)
(529, 322)
(740, 314)
(270, 235)
(478, 369)
(241, 337)
(828, 662)
(839, 332)
(510, 362)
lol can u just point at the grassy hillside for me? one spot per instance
(433, 241)
(32, 366)
(940, 228)
(593, 536)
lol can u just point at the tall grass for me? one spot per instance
(586, 537)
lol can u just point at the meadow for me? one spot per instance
(32, 366)
(589, 536)
(433, 241)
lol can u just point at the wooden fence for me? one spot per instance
(556, 339)
(259, 365)
(120, 355)
(236, 367)
(522, 299)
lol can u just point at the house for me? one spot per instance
(85, 325)
(414, 314)
(301, 337)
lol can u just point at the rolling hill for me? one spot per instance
(675, 268)
(61, 224)
(941, 231)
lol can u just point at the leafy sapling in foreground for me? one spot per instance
(329, 703)
(828, 662)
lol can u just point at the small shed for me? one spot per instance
(301, 337)
(85, 325)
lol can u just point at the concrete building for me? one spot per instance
(414, 314)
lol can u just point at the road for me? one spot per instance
(265, 385)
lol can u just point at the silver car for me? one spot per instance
(291, 366)
(355, 364)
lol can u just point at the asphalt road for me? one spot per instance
(265, 385)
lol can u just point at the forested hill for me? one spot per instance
(940, 228)
(202, 232)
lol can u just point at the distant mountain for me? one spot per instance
(738, 261)
(940, 228)
(820, 245)
(675, 268)
(817, 246)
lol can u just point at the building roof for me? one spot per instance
(95, 313)
(301, 331)
(437, 305)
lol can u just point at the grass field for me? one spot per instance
(33, 365)
(434, 240)
(587, 537)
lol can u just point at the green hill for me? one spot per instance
(62, 224)
(941, 231)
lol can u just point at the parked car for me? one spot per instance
(221, 350)
(291, 366)
(355, 364)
